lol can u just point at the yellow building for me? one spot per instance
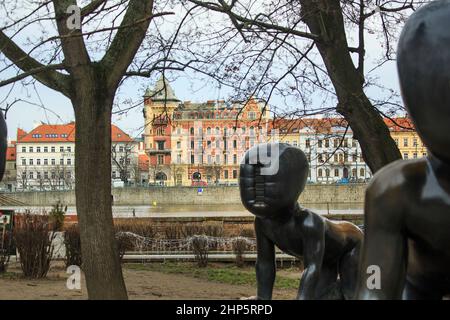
(406, 138)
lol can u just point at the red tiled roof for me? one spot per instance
(11, 154)
(399, 124)
(63, 133)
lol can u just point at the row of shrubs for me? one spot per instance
(34, 234)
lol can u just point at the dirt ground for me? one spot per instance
(141, 284)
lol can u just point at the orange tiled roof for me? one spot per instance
(63, 133)
(11, 154)
(399, 124)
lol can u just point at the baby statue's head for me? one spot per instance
(423, 60)
(272, 177)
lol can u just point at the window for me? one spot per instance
(160, 145)
(415, 155)
(160, 159)
(217, 143)
(200, 159)
(336, 172)
(336, 158)
(61, 149)
(38, 162)
(69, 161)
(320, 158)
(327, 172)
(192, 144)
(192, 131)
(192, 159)
(234, 174)
(24, 149)
(53, 175)
(61, 161)
(160, 131)
(396, 141)
(24, 162)
(217, 131)
(69, 175)
(354, 158)
(225, 174)
(327, 143)
(53, 162)
(252, 131)
(362, 173)
(217, 158)
(200, 144)
(31, 175)
(45, 162)
(53, 149)
(252, 115)
(405, 156)
(234, 144)
(45, 149)
(178, 158)
(308, 143)
(354, 143)
(225, 159)
(319, 143)
(122, 149)
(336, 143)
(345, 143)
(208, 144)
(38, 175)
(424, 154)
(295, 143)
(320, 173)
(415, 144)
(45, 175)
(38, 149)
(209, 159)
(208, 131)
(30, 149)
(235, 158)
(405, 142)
(31, 162)
(178, 144)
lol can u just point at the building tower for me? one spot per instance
(159, 105)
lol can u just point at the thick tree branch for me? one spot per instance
(32, 72)
(48, 76)
(127, 41)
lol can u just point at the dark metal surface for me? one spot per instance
(329, 249)
(407, 209)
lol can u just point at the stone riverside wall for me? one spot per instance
(331, 194)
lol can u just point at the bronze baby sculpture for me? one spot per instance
(407, 209)
(328, 248)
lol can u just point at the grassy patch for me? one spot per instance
(221, 273)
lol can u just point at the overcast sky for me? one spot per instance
(58, 109)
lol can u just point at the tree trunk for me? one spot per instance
(101, 263)
(324, 18)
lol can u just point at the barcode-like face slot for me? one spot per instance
(259, 187)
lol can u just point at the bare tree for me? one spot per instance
(124, 158)
(75, 68)
(302, 48)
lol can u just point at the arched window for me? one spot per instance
(362, 173)
(320, 173)
(192, 131)
(327, 172)
(252, 131)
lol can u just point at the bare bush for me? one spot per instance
(200, 246)
(142, 228)
(72, 242)
(33, 238)
(173, 232)
(240, 246)
(125, 242)
(247, 232)
(192, 229)
(57, 215)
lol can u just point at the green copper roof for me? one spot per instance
(162, 91)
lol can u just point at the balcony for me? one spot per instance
(159, 151)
